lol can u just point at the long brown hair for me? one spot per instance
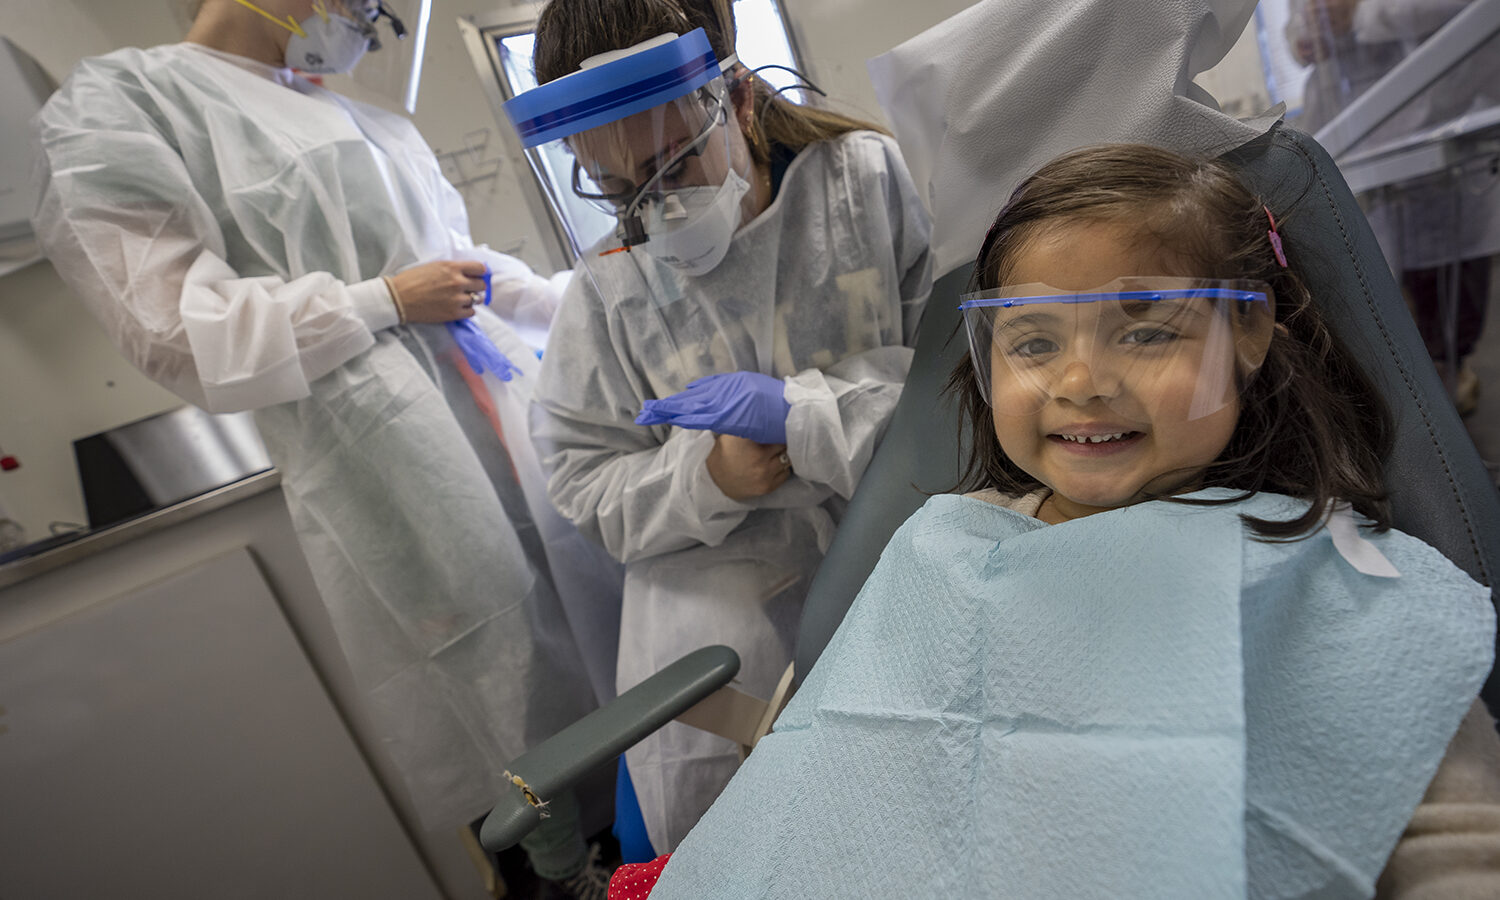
(1312, 425)
(570, 31)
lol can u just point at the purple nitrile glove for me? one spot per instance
(745, 404)
(480, 351)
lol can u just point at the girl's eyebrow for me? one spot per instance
(1136, 310)
(1027, 318)
(1159, 309)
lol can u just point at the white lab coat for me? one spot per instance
(824, 290)
(228, 222)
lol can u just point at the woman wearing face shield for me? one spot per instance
(723, 365)
(251, 240)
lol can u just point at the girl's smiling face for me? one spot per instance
(1102, 435)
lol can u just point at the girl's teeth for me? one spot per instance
(1095, 439)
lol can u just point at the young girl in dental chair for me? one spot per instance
(1168, 646)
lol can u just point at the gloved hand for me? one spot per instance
(745, 404)
(480, 351)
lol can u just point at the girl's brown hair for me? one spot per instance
(1312, 425)
(570, 31)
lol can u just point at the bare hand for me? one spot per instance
(743, 469)
(440, 291)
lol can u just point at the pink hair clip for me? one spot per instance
(1275, 238)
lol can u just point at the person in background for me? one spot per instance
(251, 240)
(722, 367)
(1439, 232)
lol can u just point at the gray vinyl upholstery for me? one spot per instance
(1440, 490)
(918, 456)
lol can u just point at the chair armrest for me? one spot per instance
(561, 760)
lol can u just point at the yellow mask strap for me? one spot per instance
(290, 24)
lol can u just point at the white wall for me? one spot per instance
(1238, 82)
(454, 116)
(61, 380)
(836, 37)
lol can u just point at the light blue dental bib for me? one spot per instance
(1142, 703)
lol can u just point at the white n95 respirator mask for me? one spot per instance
(332, 39)
(330, 44)
(690, 229)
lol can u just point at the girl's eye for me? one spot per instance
(1031, 348)
(1149, 336)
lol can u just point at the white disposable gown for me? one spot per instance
(228, 222)
(824, 290)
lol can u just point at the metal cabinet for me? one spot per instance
(174, 741)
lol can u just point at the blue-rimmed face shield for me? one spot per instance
(628, 165)
(653, 141)
(1181, 347)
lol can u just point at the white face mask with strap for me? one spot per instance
(706, 219)
(326, 43)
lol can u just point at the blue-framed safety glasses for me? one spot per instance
(1185, 346)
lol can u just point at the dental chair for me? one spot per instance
(1440, 490)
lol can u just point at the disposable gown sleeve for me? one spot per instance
(640, 492)
(125, 227)
(839, 413)
(522, 297)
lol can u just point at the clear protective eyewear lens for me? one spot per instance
(1197, 339)
(586, 188)
(620, 198)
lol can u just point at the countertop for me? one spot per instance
(30, 566)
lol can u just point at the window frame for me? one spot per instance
(481, 35)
